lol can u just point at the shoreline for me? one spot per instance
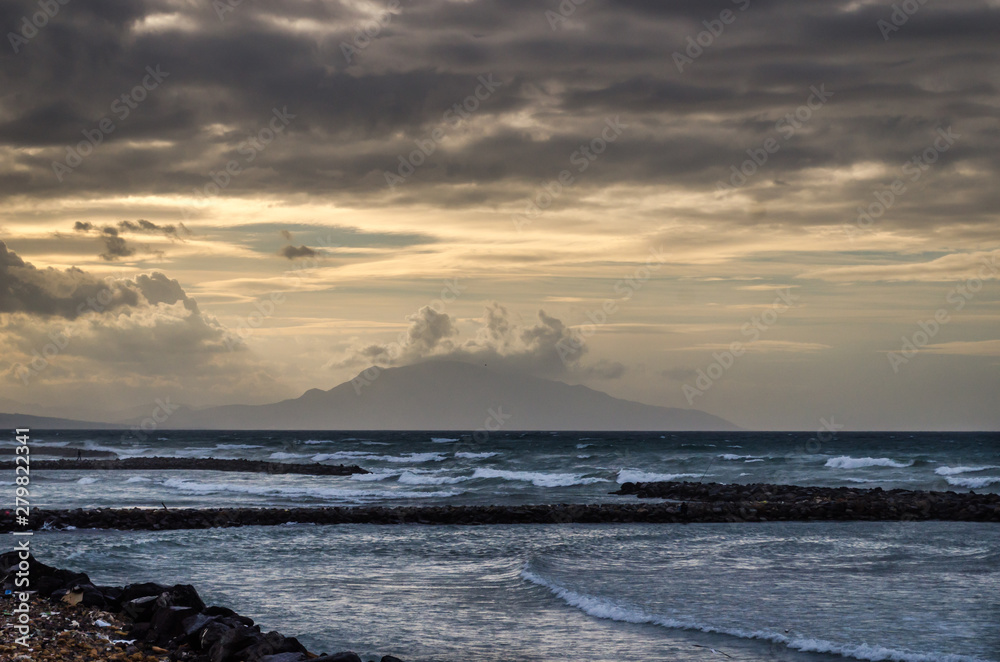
(149, 622)
(687, 503)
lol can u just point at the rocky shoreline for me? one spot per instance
(71, 619)
(198, 464)
(760, 501)
(687, 503)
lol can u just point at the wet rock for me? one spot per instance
(346, 656)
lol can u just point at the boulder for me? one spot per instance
(345, 656)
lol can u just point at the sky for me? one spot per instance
(780, 212)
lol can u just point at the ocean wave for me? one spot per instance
(951, 471)
(354, 456)
(443, 440)
(848, 462)
(582, 446)
(538, 479)
(410, 478)
(972, 482)
(286, 456)
(239, 446)
(748, 458)
(197, 487)
(87, 480)
(411, 457)
(637, 476)
(475, 456)
(138, 479)
(374, 476)
(610, 610)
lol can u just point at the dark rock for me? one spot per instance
(390, 658)
(140, 609)
(167, 624)
(346, 656)
(133, 591)
(285, 657)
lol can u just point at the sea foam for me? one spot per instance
(637, 476)
(951, 471)
(848, 462)
(538, 479)
(614, 611)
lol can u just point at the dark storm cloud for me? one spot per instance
(294, 252)
(54, 293)
(116, 246)
(73, 292)
(354, 120)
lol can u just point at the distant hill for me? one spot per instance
(449, 395)
(12, 421)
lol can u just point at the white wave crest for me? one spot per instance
(197, 487)
(374, 476)
(286, 456)
(972, 482)
(612, 611)
(951, 471)
(848, 462)
(443, 440)
(475, 456)
(538, 479)
(410, 478)
(87, 480)
(354, 456)
(637, 476)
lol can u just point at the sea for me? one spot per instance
(809, 591)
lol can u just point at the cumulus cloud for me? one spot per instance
(116, 246)
(144, 334)
(295, 252)
(546, 348)
(53, 293)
